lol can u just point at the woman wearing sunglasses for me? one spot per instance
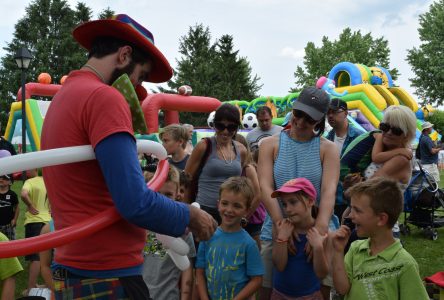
(224, 160)
(300, 151)
(391, 154)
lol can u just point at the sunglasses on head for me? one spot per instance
(221, 126)
(385, 127)
(300, 114)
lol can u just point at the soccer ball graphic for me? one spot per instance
(210, 120)
(249, 121)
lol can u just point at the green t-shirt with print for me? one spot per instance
(8, 266)
(391, 274)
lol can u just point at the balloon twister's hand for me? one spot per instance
(202, 224)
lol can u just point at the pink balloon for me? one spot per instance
(4, 153)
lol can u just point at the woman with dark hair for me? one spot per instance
(300, 151)
(223, 160)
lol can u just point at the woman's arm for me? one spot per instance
(252, 286)
(398, 168)
(380, 156)
(330, 177)
(201, 284)
(251, 173)
(265, 175)
(186, 284)
(242, 150)
(317, 242)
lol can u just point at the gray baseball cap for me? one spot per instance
(314, 102)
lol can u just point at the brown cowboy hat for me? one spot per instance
(124, 28)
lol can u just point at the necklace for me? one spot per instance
(223, 155)
(95, 71)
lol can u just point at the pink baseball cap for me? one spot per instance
(295, 185)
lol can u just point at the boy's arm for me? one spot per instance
(340, 278)
(16, 215)
(201, 284)
(252, 286)
(186, 284)
(410, 283)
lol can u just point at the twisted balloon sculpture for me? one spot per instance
(177, 248)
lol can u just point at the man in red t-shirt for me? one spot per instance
(87, 110)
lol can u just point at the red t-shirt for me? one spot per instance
(84, 112)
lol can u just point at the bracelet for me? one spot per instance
(280, 241)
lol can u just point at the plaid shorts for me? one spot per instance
(72, 287)
(9, 231)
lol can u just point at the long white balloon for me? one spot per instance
(177, 247)
(67, 155)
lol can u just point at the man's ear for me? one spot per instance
(124, 56)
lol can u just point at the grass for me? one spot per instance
(427, 253)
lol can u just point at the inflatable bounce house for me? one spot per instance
(368, 91)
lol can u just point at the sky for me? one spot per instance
(271, 34)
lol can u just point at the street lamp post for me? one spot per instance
(23, 58)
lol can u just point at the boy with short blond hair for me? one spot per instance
(377, 267)
(229, 265)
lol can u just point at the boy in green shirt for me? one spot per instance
(377, 267)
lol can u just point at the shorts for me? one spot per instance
(9, 231)
(253, 229)
(432, 169)
(266, 253)
(32, 230)
(71, 286)
(276, 295)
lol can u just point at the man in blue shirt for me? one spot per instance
(429, 151)
(342, 134)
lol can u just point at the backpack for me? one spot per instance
(418, 149)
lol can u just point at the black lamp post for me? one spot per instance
(23, 58)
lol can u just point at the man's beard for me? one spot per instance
(119, 72)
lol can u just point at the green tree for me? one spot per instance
(211, 69)
(45, 31)
(437, 119)
(427, 61)
(351, 46)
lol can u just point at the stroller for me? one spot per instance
(423, 203)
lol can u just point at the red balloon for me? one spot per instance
(78, 231)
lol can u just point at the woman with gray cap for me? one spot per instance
(300, 151)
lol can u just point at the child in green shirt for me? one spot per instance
(377, 267)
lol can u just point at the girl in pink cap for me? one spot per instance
(294, 276)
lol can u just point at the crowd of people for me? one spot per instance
(272, 209)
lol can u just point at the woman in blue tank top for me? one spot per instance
(300, 151)
(224, 160)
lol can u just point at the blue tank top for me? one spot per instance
(298, 279)
(295, 159)
(214, 173)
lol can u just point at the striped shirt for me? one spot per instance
(295, 159)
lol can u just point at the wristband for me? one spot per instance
(280, 241)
